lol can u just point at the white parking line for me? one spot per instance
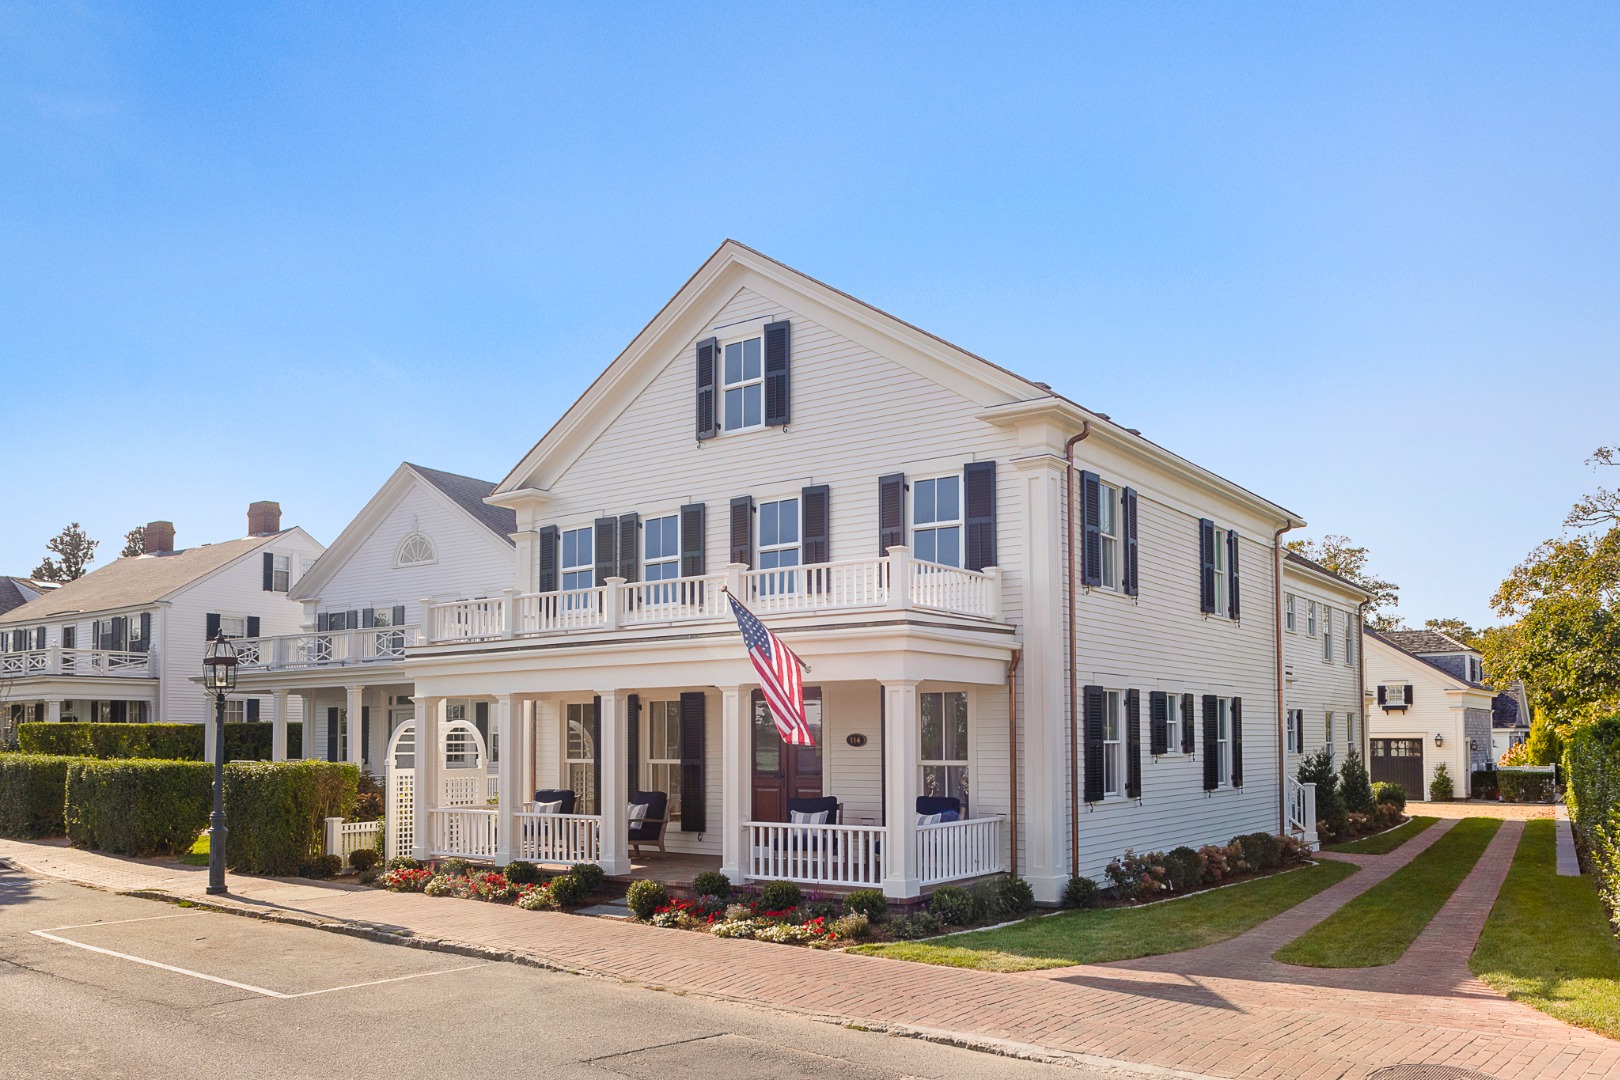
(250, 988)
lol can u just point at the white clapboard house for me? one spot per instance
(898, 510)
(1427, 704)
(125, 642)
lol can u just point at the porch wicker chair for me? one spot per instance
(650, 829)
(563, 795)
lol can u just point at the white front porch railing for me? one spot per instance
(955, 850)
(1300, 799)
(815, 854)
(344, 838)
(367, 645)
(465, 833)
(559, 838)
(57, 661)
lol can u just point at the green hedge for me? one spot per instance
(169, 742)
(1525, 787)
(137, 806)
(32, 795)
(1592, 790)
(274, 813)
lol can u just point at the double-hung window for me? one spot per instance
(1310, 619)
(661, 558)
(1223, 741)
(1108, 530)
(1349, 638)
(779, 545)
(1113, 746)
(1173, 719)
(578, 565)
(1296, 731)
(579, 756)
(664, 752)
(945, 744)
(235, 710)
(743, 378)
(1327, 634)
(1221, 580)
(280, 573)
(936, 520)
(233, 626)
(1328, 722)
(1288, 612)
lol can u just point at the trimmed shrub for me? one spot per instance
(1482, 784)
(1260, 850)
(1520, 787)
(1185, 867)
(368, 799)
(568, 890)
(591, 876)
(1440, 788)
(1355, 786)
(1389, 794)
(1016, 895)
(644, 897)
(33, 793)
(780, 896)
(275, 812)
(953, 905)
(1082, 892)
(922, 924)
(1318, 769)
(321, 866)
(137, 807)
(712, 883)
(168, 742)
(363, 859)
(1133, 876)
(453, 867)
(519, 872)
(869, 902)
(851, 927)
(404, 862)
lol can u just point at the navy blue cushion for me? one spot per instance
(562, 795)
(656, 802)
(827, 804)
(939, 804)
(949, 815)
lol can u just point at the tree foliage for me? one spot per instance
(1455, 629)
(134, 543)
(1341, 556)
(76, 551)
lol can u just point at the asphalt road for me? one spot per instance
(92, 982)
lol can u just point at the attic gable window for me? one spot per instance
(415, 550)
(743, 380)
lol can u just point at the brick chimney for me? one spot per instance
(159, 537)
(264, 518)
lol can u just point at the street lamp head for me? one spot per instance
(219, 665)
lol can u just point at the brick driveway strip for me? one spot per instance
(1231, 1027)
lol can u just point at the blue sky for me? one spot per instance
(1361, 258)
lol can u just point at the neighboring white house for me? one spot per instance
(17, 591)
(1425, 707)
(1322, 617)
(425, 536)
(1510, 719)
(123, 643)
(895, 508)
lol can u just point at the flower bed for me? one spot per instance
(519, 883)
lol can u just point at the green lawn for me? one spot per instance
(1376, 927)
(1548, 942)
(1385, 842)
(1097, 936)
(198, 855)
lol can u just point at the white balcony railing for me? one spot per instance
(322, 648)
(956, 850)
(58, 661)
(559, 838)
(1300, 799)
(893, 581)
(463, 832)
(815, 854)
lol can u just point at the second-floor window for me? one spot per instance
(936, 520)
(1310, 618)
(280, 573)
(1222, 581)
(1288, 611)
(233, 626)
(661, 553)
(1349, 638)
(779, 540)
(1327, 633)
(578, 560)
(743, 379)
(1108, 529)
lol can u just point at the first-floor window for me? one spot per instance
(1352, 732)
(579, 757)
(235, 711)
(664, 752)
(1113, 748)
(945, 744)
(1173, 720)
(1328, 720)
(1296, 733)
(1223, 740)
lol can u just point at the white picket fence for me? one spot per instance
(957, 850)
(463, 832)
(816, 854)
(559, 838)
(344, 838)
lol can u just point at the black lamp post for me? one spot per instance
(219, 676)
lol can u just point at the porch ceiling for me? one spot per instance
(83, 687)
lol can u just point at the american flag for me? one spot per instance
(779, 676)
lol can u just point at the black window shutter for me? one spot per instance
(481, 722)
(399, 615)
(632, 717)
(120, 626)
(1133, 744)
(815, 539)
(596, 750)
(212, 625)
(694, 531)
(365, 731)
(694, 811)
(368, 617)
(323, 622)
(351, 619)
(1212, 751)
(39, 638)
(70, 632)
(1206, 566)
(605, 537)
(548, 559)
(629, 544)
(1408, 700)
(1133, 581)
(1091, 522)
(742, 531)
(250, 709)
(778, 372)
(1158, 723)
(1232, 573)
(979, 514)
(708, 352)
(1093, 698)
(1237, 742)
(269, 572)
(252, 626)
(1188, 744)
(331, 734)
(1380, 695)
(95, 643)
(891, 512)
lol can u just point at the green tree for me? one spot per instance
(1455, 629)
(134, 543)
(1543, 745)
(1341, 556)
(77, 551)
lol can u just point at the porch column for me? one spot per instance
(548, 732)
(902, 744)
(509, 732)
(527, 721)
(736, 785)
(353, 729)
(278, 725)
(426, 755)
(53, 710)
(306, 726)
(612, 798)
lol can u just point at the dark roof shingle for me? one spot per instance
(469, 494)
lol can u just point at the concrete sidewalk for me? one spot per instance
(1197, 1023)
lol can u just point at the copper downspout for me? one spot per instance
(1074, 660)
(1012, 753)
(1361, 670)
(1282, 704)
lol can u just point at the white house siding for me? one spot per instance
(1319, 686)
(1439, 705)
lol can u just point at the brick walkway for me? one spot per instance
(1203, 1024)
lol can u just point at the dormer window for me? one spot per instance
(414, 550)
(743, 379)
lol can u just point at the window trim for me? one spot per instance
(959, 523)
(415, 534)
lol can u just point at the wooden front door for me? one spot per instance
(1399, 761)
(783, 772)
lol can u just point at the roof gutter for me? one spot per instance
(1074, 654)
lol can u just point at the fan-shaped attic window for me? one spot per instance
(414, 550)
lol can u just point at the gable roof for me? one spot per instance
(1385, 637)
(469, 494)
(142, 579)
(1295, 559)
(1421, 642)
(734, 265)
(17, 591)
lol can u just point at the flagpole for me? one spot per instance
(739, 603)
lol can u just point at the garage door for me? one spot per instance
(1399, 761)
